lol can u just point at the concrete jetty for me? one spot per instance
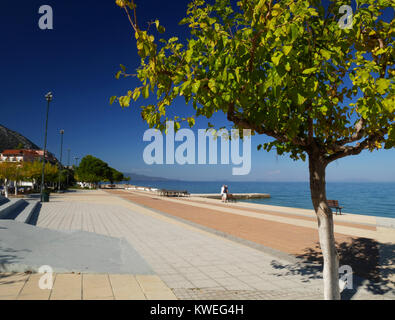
(235, 195)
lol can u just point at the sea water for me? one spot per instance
(376, 199)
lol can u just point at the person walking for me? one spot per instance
(226, 191)
(223, 193)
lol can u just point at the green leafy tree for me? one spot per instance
(116, 176)
(32, 171)
(51, 172)
(92, 170)
(17, 175)
(284, 69)
(7, 173)
(69, 176)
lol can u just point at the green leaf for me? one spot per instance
(364, 76)
(124, 101)
(173, 39)
(184, 21)
(191, 121)
(294, 32)
(324, 110)
(301, 99)
(117, 75)
(136, 95)
(313, 12)
(315, 85)
(112, 99)
(161, 29)
(325, 53)
(287, 49)
(277, 57)
(195, 86)
(146, 91)
(382, 85)
(211, 85)
(188, 56)
(237, 73)
(310, 70)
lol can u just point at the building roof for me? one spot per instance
(12, 152)
(29, 152)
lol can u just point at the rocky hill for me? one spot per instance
(10, 139)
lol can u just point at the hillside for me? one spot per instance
(10, 139)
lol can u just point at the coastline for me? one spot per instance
(345, 216)
(372, 199)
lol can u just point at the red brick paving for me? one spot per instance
(292, 216)
(280, 236)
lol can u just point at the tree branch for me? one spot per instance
(344, 151)
(247, 124)
(253, 49)
(357, 135)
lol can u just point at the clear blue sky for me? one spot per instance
(77, 62)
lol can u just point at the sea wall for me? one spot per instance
(235, 195)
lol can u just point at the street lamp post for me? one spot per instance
(61, 153)
(76, 161)
(49, 98)
(68, 166)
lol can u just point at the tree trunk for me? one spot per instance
(6, 187)
(325, 227)
(16, 188)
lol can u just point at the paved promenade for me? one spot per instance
(202, 249)
(363, 242)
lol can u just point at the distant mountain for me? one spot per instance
(141, 177)
(10, 139)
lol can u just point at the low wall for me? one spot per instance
(235, 195)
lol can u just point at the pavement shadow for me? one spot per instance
(69, 191)
(371, 263)
(9, 256)
(308, 271)
(9, 279)
(34, 196)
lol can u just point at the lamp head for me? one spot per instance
(49, 96)
(61, 131)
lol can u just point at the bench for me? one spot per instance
(334, 204)
(173, 193)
